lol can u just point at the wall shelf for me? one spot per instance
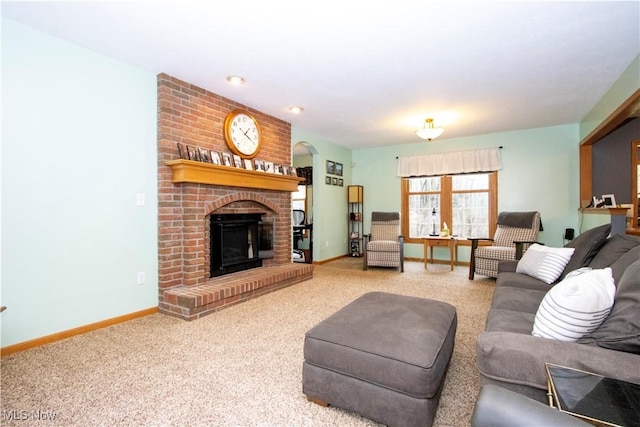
(605, 211)
(617, 217)
(207, 173)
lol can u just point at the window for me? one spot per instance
(466, 203)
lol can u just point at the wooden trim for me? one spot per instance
(626, 110)
(614, 119)
(325, 261)
(493, 203)
(404, 209)
(208, 173)
(635, 165)
(586, 175)
(37, 342)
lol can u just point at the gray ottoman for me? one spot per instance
(383, 356)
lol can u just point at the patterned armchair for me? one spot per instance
(515, 232)
(384, 246)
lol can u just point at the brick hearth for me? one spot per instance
(193, 116)
(192, 302)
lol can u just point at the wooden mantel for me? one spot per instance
(208, 173)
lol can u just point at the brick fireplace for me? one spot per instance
(193, 116)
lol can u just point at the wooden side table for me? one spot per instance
(431, 241)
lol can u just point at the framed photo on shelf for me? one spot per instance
(248, 165)
(204, 155)
(182, 152)
(226, 159)
(293, 171)
(259, 164)
(268, 167)
(237, 161)
(193, 153)
(609, 200)
(327, 180)
(215, 157)
(331, 167)
(339, 169)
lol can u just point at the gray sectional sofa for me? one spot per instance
(509, 355)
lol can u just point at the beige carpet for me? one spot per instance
(238, 367)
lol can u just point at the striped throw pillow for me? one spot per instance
(544, 263)
(576, 306)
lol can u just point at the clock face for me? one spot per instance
(242, 133)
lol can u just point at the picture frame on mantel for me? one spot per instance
(182, 152)
(215, 157)
(204, 155)
(226, 159)
(193, 153)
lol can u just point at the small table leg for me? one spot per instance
(451, 245)
(426, 249)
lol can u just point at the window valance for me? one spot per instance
(456, 162)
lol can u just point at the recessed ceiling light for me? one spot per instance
(296, 110)
(235, 80)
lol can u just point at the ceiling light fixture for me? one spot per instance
(296, 110)
(429, 131)
(235, 80)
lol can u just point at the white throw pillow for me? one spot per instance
(576, 306)
(544, 263)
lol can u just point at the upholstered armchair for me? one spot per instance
(384, 246)
(514, 233)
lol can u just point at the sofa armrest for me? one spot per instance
(507, 266)
(499, 407)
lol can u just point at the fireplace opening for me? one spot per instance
(238, 242)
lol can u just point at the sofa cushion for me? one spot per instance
(509, 321)
(621, 330)
(615, 247)
(544, 263)
(620, 266)
(586, 246)
(517, 280)
(518, 299)
(575, 306)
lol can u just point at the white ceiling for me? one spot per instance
(368, 74)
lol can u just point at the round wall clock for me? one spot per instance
(242, 133)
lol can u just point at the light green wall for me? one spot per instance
(540, 172)
(329, 201)
(622, 89)
(78, 144)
